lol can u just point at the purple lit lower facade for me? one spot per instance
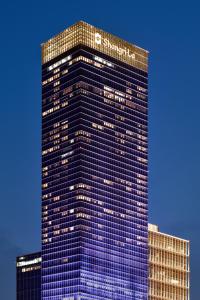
(169, 269)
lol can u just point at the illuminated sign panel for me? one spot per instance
(107, 43)
(29, 262)
(88, 35)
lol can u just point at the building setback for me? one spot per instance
(168, 266)
(94, 167)
(28, 272)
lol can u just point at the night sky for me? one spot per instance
(170, 30)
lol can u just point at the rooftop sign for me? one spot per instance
(106, 42)
(88, 35)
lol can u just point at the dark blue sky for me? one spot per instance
(170, 30)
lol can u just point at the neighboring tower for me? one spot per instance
(94, 167)
(168, 266)
(29, 276)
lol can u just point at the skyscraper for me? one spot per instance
(28, 273)
(169, 266)
(94, 167)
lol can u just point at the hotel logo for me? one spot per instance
(99, 40)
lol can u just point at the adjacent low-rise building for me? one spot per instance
(168, 266)
(29, 276)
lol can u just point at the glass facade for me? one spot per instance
(94, 167)
(29, 277)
